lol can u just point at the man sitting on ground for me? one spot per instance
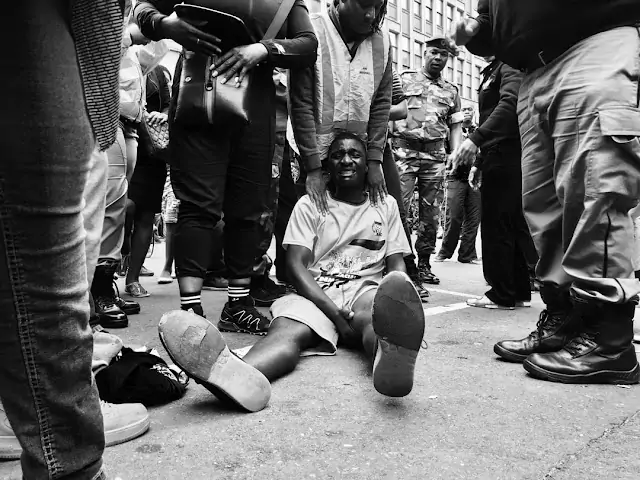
(336, 262)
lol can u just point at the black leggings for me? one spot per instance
(224, 170)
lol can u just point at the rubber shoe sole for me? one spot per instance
(197, 347)
(126, 433)
(398, 322)
(508, 355)
(10, 448)
(616, 377)
(231, 327)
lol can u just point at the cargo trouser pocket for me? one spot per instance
(614, 164)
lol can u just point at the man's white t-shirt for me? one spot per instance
(349, 244)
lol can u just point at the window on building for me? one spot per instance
(392, 9)
(476, 77)
(468, 85)
(449, 75)
(459, 74)
(406, 52)
(450, 13)
(428, 11)
(393, 38)
(417, 56)
(405, 5)
(439, 12)
(417, 15)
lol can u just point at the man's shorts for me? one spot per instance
(300, 309)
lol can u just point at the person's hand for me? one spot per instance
(475, 178)
(317, 190)
(189, 36)
(137, 38)
(464, 154)
(465, 29)
(348, 336)
(238, 61)
(376, 183)
(156, 118)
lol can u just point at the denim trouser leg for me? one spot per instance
(94, 207)
(470, 224)
(580, 129)
(116, 203)
(46, 385)
(456, 193)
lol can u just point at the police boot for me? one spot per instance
(601, 353)
(107, 310)
(426, 275)
(556, 326)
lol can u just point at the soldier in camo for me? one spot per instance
(419, 144)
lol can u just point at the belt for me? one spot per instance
(418, 145)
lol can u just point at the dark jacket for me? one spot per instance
(296, 51)
(516, 31)
(497, 105)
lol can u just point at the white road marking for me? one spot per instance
(445, 309)
(450, 292)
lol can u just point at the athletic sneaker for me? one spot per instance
(122, 423)
(485, 302)
(398, 322)
(196, 346)
(243, 318)
(265, 291)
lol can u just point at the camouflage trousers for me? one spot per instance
(263, 262)
(429, 175)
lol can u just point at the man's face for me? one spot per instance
(347, 163)
(359, 15)
(435, 59)
(468, 114)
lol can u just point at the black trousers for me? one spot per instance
(462, 218)
(224, 170)
(505, 235)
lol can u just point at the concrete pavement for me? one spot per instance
(470, 415)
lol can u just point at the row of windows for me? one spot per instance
(432, 17)
(459, 71)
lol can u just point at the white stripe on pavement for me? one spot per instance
(445, 309)
(450, 292)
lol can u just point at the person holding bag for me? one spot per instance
(224, 165)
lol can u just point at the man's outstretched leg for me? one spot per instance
(390, 320)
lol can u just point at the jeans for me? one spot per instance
(429, 174)
(121, 156)
(505, 234)
(462, 213)
(580, 123)
(46, 385)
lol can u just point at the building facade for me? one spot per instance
(412, 22)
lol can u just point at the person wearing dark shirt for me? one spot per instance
(579, 126)
(228, 169)
(496, 171)
(462, 207)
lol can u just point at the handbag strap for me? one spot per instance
(277, 22)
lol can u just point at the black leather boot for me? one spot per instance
(601, 353)
(426, 275)
(129, 307)
(109, 314)
(556, 326)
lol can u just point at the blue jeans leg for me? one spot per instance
(46, 385)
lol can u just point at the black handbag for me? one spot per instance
(202, 99)
(154, 139)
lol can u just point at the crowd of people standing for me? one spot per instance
(312, 139)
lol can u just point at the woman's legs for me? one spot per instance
(140, 240)
(169, 232)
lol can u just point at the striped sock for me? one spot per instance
(191, 301)
(238, 293)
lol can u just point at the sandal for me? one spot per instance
(136, 290)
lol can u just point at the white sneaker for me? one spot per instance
(10, 448)
(523, 304)
(123, 422)
(484, 302)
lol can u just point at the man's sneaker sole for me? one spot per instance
(508, 355)
(398, 322)
(127, 432)
(616, 377)
(231, 327)
(197, 347)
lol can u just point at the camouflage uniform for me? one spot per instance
(434, 105)
(267, 219)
